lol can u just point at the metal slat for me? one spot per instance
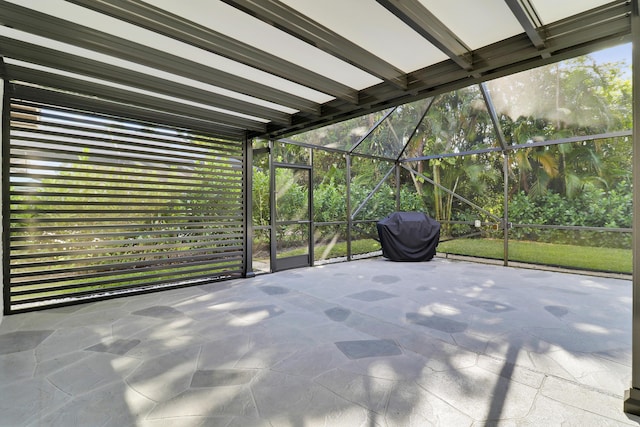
(107, 243)
(193, 254)
(186, 179)
(106, 270)
(43, 141)
(51, 114)
(111, 236)
(29, 221)
(103, 211)
(112, 164)
(73, 245)
(83, 252)
(29, 189)
(222, 268)
(207, 277)
(79, 183)
(183, 146)
(120, 95)
(92, 105)
(33, 195)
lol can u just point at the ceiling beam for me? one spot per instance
(178, 28)
(603, 27)
(28, 52)
(528, 19)
(418, 17)
(100, 107)
(34, 22)
(287, 19)
(108, 92)
(493, 114)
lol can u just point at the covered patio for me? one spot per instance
(157, 156)
(369, 342)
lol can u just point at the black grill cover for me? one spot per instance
(408, 236)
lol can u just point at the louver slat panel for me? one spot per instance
(100, 205)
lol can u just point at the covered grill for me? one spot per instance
(408, 236)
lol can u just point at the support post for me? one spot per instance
(398, 187)
(632, 396)
(312, 224)
(505, 216)
(349, 220)
(247, 166)
(272, 210)
(5, 125)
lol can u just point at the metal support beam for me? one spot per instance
(272, 210)
(312, 226)
(5, 118)
(110, 108)
(348, 212)
(285, 18)
(418, 17)
(374, 127)
(374, 191)
(178, 28)
(247, 188)
(494, 115)
(505, 213)
(416, 127)
(34, 22)
(526, 15)
(398, 187)
(632, 396)
(454, 194)
(600, 28)
(28, 52)
(127, 96)
(572, 139)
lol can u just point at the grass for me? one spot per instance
(569, 256)
(362, 246)
(339, 249)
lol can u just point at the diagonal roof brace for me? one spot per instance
(289, 20)
(418, 17)
(526, 15)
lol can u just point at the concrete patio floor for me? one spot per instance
(365, 343)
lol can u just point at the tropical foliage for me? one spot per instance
(454, 168)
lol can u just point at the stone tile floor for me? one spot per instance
(365, 343)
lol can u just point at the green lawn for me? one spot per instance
(339, 249)
(362, 246)
(570, 256)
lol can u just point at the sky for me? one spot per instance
(614, 54)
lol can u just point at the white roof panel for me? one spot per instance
(100, 22)
(373, 28)
(230, 21)
(553, 10)
(96, 56)
(475, 23)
